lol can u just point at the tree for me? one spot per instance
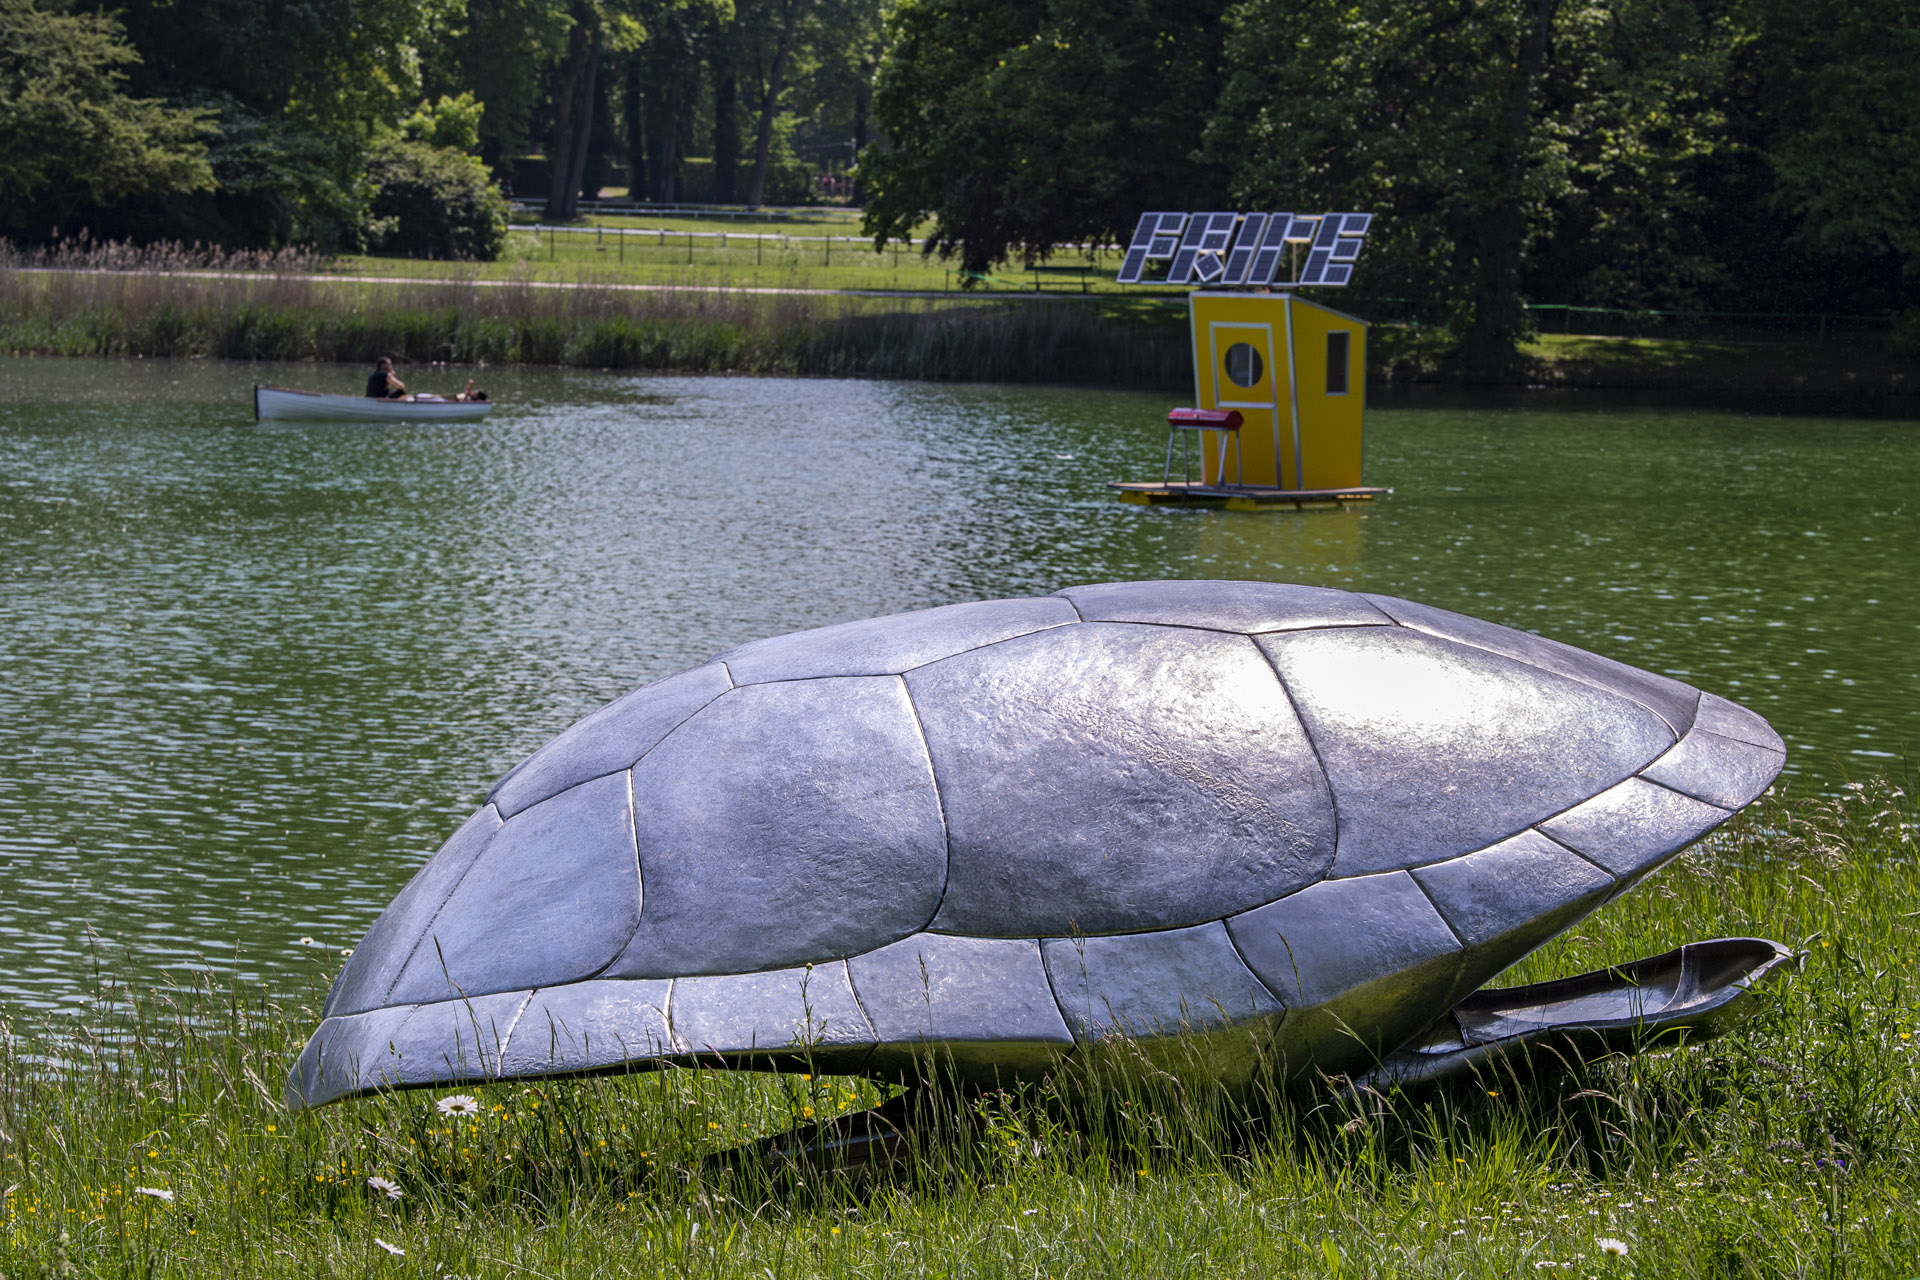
(298, 91)
(502, 52)
(433, 201)
(1024, 127)
(1480, 131)
(785, 18)
(70, 136)
(830, 94)
(723, 57)
(573, 96)
(1842, 83)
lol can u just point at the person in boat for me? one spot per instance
(382, 384)
(470, 393)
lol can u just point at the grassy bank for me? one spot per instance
(1790, 1147)
(593, 311)
(284, 315)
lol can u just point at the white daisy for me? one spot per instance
(1618, 1248)
(458, 1104)
(158, 1193)
(393, 1249)
(386, 1187)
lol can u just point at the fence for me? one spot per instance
(758, 213)
(1648, 322)
(688, 247)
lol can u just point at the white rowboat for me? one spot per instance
(281, 404)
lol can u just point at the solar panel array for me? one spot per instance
(1202, 248)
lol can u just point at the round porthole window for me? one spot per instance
(1244, 366)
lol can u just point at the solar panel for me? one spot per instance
(1218, 233)
(1167, 236)
(1148, 237)
(1182, 266)
(1244, 248)
(1273, 247)
(1334, 246)
(1199, 255)
(1204, 248)
(1353, 226)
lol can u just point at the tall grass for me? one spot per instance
(1790, 1147)
(174, 302)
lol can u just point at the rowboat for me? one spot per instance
(280, 404)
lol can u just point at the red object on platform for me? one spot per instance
(1205, 419)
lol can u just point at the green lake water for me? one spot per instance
(251, 676)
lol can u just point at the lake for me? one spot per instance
(254, 675)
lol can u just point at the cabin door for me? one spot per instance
(1244, 377)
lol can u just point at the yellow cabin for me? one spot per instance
(1296, 372)
(1280, 383)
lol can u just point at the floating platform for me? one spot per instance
(1239, 497)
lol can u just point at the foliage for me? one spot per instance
(70, 136)
(1024, 128)
(1843, 80)
(452, 123)
(1493, 139)
(1732, 155)
(499, 51)
(434, 202)
(295, 91)
(279, 181)
(1650, 153)
(335, 66)
(1789, 1147)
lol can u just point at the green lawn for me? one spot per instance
(1790, 1147)
(787, 255)
(1841, 364)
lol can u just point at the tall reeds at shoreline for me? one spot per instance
(173, 302)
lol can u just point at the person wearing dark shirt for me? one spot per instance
(382, 385)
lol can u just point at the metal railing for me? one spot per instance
(1646, 319)
(758, 213)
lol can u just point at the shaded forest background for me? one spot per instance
(1740, 156)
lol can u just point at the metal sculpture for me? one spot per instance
(1295, 824)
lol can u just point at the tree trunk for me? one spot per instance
(1489, 350)
(770, 102)
(636, 125)
(663, 146)
(563, 198)
(862, 104)
(726, 135)
(582, 126)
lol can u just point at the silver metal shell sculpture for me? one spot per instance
(1003, 830)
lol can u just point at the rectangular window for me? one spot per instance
(1337, 347)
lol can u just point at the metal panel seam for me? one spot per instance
(1333, 798)
(946, 833)
(451, 890)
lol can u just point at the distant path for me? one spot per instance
(928, 294)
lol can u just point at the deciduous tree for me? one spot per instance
(1022, 128)
(70, 134)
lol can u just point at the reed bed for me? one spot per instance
(148, 1139)
(185, 303)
